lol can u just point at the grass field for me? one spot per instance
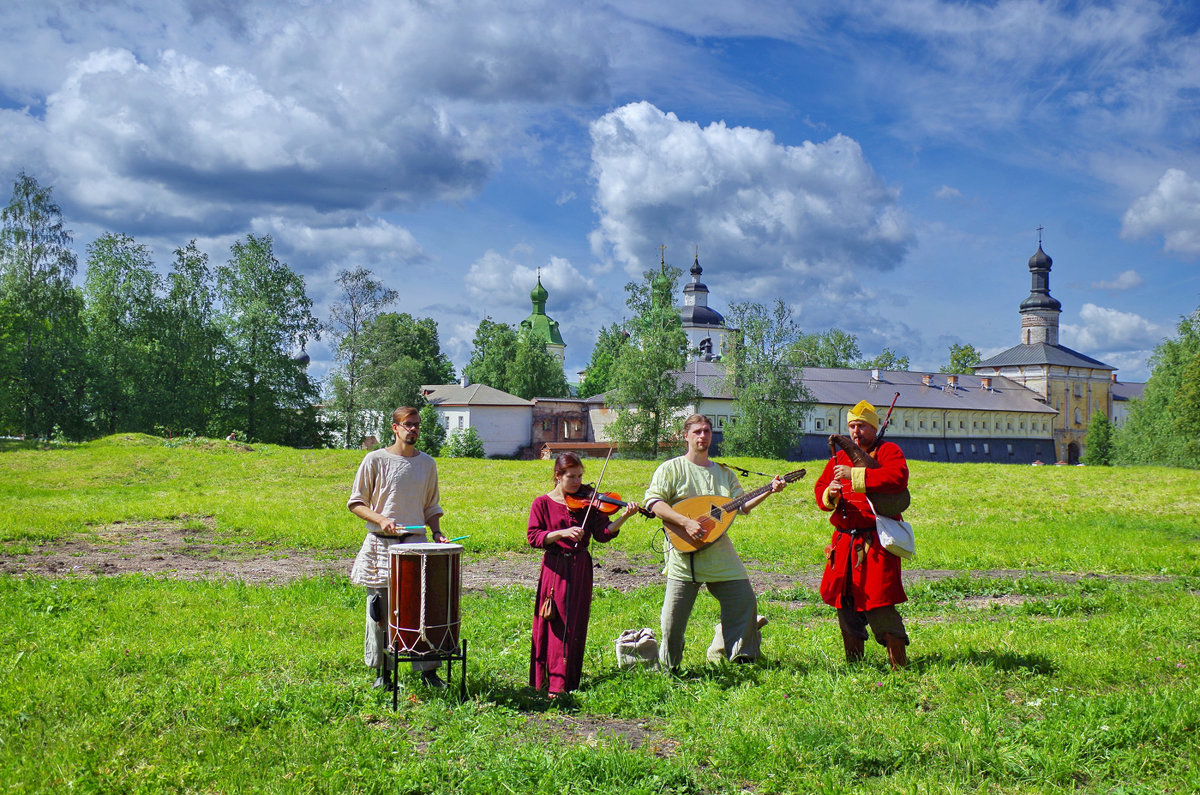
(1057, 650)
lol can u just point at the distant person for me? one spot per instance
(232, 437)
(717, 566)
(396, 488)
(862, 579)
(564, 592)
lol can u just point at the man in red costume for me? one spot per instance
(862, 579)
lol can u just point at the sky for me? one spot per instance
(881, 166)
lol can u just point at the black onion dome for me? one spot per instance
(701, 316)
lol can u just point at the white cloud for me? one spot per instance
(1111, 330)
(212, 115)
(497, 282)
(781, 215)
(346, 243)
(1125, 280)
(947, 192)
(1172, 210)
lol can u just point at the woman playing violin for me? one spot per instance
(564, 592)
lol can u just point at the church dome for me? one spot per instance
(1040, 261)
(1039, 296)
(538, 294)
(701, 316)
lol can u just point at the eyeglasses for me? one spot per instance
(412, 426)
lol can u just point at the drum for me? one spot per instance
(423, 586)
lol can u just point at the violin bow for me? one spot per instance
(596, 490)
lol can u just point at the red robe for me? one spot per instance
(876, 581)
(556, 659)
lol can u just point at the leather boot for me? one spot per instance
(896, 651)
(855, 648)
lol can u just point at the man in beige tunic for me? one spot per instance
(396, 493)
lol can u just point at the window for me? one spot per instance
(972, 449)
(1078, 417)
(961, 425)
(801, 423)
(460, 422)
(958, 447)
(819, 425)
(545, 425)
(985, 448)
(1009, 449)
(922, 424)
(907, 424)
(932, 449)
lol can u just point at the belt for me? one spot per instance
(855, 530)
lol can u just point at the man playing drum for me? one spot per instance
(396, 493)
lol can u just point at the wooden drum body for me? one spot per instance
(423, 589)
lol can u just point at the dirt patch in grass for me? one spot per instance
(590, 730)
(190, 548)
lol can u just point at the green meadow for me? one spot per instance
(1054, 614)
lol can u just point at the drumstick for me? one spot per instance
(411, 527)
(460, 538)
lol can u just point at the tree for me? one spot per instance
(610, 344)
(433, 433)
(832, 348)
(40, 311)
(123, 313)
(646, 395)
(362, 299)
(190, 341)
(399, 354)
(514, 362)
(464, 443)
(963, 359)
(886, 360)
(534, 372)
(266, 317)
(1163, 427)
(766, 384)
(1097, 445)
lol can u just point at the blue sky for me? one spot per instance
(881, 166)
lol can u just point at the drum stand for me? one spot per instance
(439, 656)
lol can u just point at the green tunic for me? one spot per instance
(678, 479)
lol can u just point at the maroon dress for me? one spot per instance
(556, 660)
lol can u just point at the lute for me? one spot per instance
(714, 514)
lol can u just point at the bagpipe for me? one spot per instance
(886, 504)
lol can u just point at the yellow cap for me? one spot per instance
(864, 412)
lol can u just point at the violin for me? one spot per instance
(606, 503)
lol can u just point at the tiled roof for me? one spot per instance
(1042, 353)
(473, 395)
(1126, 391)
(845, 387)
